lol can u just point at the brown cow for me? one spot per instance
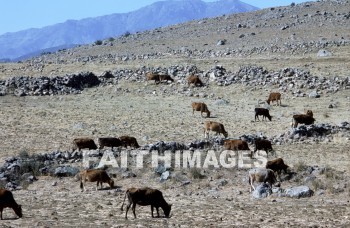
(277, 165)
(202, 107)
(144, 197)
(165, 77)
(109, 142)
(261, 175)
(263, 144)
(195, 80)
(84, 143)
(214, 126)
(153, 76)
(129, 141)
(95, 175)
(7, 200)
(262, 112)
(235, 144)
(274, 97)
(306, 119)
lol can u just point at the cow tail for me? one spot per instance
(124, 201)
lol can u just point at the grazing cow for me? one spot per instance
(129, 141)
(153, 76)
(262, 112)
(263, 144)
(195, 80)
(235, 144)
(202, 107)
(277, 165)
(144, 197)
(7, 200)
(95, 175)
(214, 126)
(261, 175)
(84, 143)
(306, 119)
(109, 142)
(165, 77)
(274, 97)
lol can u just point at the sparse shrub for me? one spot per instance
(196, 173)
(111, 39)
(300, 166)
(325, 115)
(23, 154)
(98, 42)
(317, 184)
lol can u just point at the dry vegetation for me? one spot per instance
(47, 123)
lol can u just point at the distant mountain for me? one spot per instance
(31, 42)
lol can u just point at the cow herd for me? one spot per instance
(153, 197)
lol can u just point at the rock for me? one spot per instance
(299, 192)
(323, 53)
(314, 94)
(164, 176)
(66, 171)
(220, 102)
(262, 191)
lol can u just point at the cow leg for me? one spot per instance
(133, 209)
(157, 208)
(1, 212)
(97, 185)
(152, 208)
(127, 209)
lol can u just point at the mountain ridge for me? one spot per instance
(88, 30)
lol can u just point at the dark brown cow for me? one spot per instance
(262, 112)
(277, 165)
(95, 175)
(195, 80)
(261, 175)
(214, 126)
(84, 143)
(263, 144)
(306, 119)
(165, 77)
(144, 197)
(274, 97)
(109, 142)
(202, 107)
(153, 76)
(7, 200)
(129, 141)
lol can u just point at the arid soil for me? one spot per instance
(152, 113)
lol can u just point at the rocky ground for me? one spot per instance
(44, 106)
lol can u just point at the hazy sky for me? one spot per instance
(16, 15)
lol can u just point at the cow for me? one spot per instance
(261, 175)
(165, 77)
(277, 165)
(84, 143)
(262, 112)
(306, 119)
(236, 144)
(95, 175)
(153, 76)
(129, 141)
(195, 80)
(274, 97)
(7, 200)
(263, 144)
(202, 107)
(144, 197)
(214, 126)
(109, 142)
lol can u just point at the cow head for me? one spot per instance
(18, 210)
(167, 210)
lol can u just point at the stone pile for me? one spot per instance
(32, 86)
